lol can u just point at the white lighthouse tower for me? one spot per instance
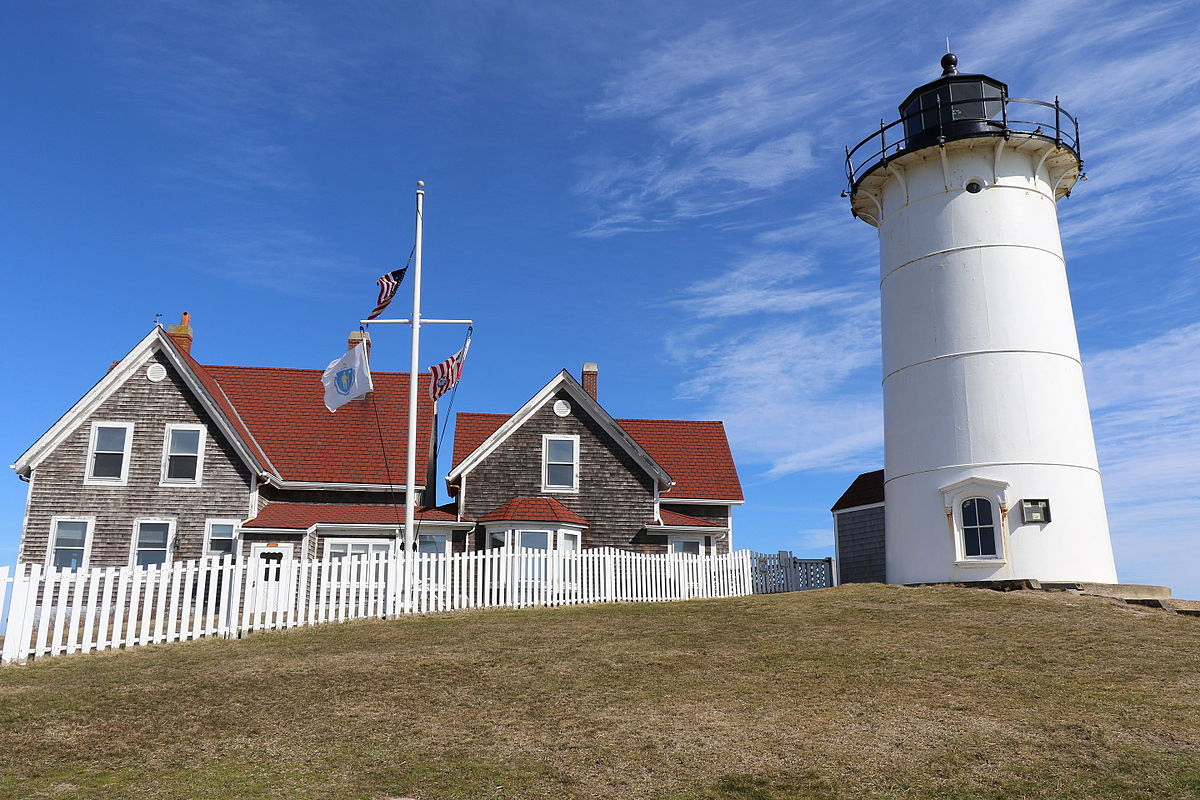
(990, 463)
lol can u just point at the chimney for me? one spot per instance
(181, 334)
(358, 337)
(591, 375)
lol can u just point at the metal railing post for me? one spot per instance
(1057, 123)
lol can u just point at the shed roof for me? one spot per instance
(867, 489)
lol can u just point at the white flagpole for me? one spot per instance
(410, 488)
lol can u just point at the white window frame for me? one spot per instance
(546, 439)
(698, 539)
(89, 459)
(996, 493)
(166, 454)
(133, 544)
(995, 526)
(87, 539)
(390, 541)
(237, 535)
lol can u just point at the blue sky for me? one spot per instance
(651, 186)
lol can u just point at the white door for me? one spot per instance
(272, 577)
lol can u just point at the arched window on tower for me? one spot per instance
(979, 528)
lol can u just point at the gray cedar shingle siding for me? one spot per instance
(860, 541)
(616, 494)
(58, 482)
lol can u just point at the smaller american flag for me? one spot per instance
(388, 284)
(446, 375)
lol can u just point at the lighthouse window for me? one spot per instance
(979, 530)
(974, 187)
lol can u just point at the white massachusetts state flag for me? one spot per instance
(347, 378)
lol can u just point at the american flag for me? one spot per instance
(388, 284)
(446, 375)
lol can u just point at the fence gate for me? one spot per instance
(784, 572)
(271, 581)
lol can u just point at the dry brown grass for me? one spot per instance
(858, 692)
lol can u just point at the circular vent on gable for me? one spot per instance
(562, 407)
(156, 372)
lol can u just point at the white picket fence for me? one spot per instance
(55, 612)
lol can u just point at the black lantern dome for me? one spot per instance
(954, 106)
(958, 106)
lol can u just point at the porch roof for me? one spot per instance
(302, 516)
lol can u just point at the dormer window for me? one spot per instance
(183, 455)
(560, 463)
(108, 453)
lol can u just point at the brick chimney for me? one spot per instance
(358, 337)
(181, 334)
(591, 376)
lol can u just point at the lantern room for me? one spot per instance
(954, 106)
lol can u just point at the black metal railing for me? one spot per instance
(1048, 121)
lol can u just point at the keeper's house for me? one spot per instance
(167, 459)
(561, 473)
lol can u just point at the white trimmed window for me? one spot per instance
(345, 548)
(535, 539)
(70, 543)
(979, 528)
(686, 545)
(220, 537)
(183, 455)
(976, 508)
(560, 463)
(108, 453)
(438, 543)
(152, 541)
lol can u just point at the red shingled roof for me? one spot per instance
(866, 490)
(470, 431)
(686, 521)
(285, 413)
(694, 453)
(219, 397)
(534, 509)
(301, 516)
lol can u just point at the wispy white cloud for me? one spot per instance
(789, 390)
(1131, 80)
(1145, 401)
(727, 118)
(232, 79)
(280, 258)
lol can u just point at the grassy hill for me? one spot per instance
(857, 692)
